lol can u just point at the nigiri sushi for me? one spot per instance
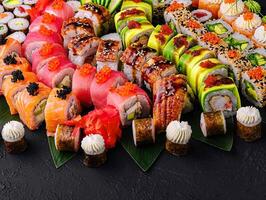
(60, 9)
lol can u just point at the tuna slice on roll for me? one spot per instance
(60, 9)
(131, 102)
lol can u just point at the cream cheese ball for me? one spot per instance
(178, 132)
(93, 144)
(13, 131)
(248, 116)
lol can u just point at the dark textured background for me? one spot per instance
(206, 173)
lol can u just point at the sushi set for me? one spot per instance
(93, 71)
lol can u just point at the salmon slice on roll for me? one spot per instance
(11, 46)
(60, 9)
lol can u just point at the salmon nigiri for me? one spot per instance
(15, 83)
(30, 104)
(61, 106)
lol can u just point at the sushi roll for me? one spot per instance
(176, 47)
(99, 15)
(10, 5)
(21, 11)
(212, 123)
(81, 83)
(108, 54)
(248, 126)
(62, 105)
(133, 59)
(143, 131)
(30, 2)
(94, 149)
(15, 83)
(239, 42)
(247, 23)
(131, 102)
(186, 3)
(257, 57)
(230, 10)
(19, 36)
(5, 17)
(67, 138)
(104, 80)
(113, 36)
(18, 24)
(30, 104)
(178, 135)
(220, 27)
(212, 6)
(192, 28)
(159, 37)
(83, 48)
(13, 134)
(201, 15)
(219, 93)
(156, 68)
(253, 86)
(192, 56)
(76, 26)
(10, 51)
(259, 37)
(60, 9)
(3, 31)
(74, 5)
(169, 100)
(2, 9)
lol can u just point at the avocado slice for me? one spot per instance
(40, 108)
(257, 59)
(250, 90)
(218, 28)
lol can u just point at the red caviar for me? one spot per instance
(125, 90)
(130, 12)
(103, 75)
(48, 18)
(211, 37)
(207, 64)
(180, 41)
(46, 49)
(248, 16)
(232, 54)
(193, 24)
(45, 31)
(137, 1)
(166, 30)
(161, 38)
(53, 64)
(174, 6)
(133, 24)
(21, 9)
(58, 4)
(210, 80)
(85, 69)
(200, 14)
(256, 73)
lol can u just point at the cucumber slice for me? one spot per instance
(114, 5)
(250, 90)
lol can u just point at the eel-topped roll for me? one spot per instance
(178, 135)
(30, 104)
(248, 123)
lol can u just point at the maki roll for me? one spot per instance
(249, 125)
(253, 86)
(156, 68)
(30, 104)
(219, 94)
(3, 31)
(212, 123)
(18, 24)
(30, 2)
(178, 135)
(192, 56)
(104, 80)
(230, 10)
(81, 83)
(259, 37)
(131, 102)
(10, 5)
(192, 28)
(2, 9)
(15, 83)
(62, 105)
(10, 52)
(67, 138)
(99, 15)
(143, 131)
(133, 58)
(220, 27)
(257, 57)
(83, 48)
(169, 100)
(5, 17)
(175, 48)
(21, 11)
(76, 26)
(201, 15)
(60, 9)
(74, 5)
(108, 54)
(239, 42)
(212, 41)
(212, 6)
(19, 36)
(159, 37)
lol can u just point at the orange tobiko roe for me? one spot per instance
(45, 31)
(193, 24)
(46, 49)
(248, 16)
(58, 4)
(175, 6)
(211, 37)
(103, 75)
(229, 1)
(256, 73)
(48, 18)
(85, 69)
(125, 90)
(53, 64)
(232, 54)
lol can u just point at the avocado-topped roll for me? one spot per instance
(156, 68)
(159, 37)
(239, 42)
(133, 58)
(122, 17)
(98, 14)
(175, 48)
(30, 104)
(139, 4)
(257, 57)
(220, 27)
(219, 93)
(204, 68)
(253, 85)
(192, 56)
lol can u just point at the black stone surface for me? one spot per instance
(206, 173)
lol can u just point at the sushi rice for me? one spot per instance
(205, 15)
(3, 30)
(18, 24)
(21, 11)
(5, 17)
(19, 36)
(2, 9)
(30, 2)
(11, 4)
